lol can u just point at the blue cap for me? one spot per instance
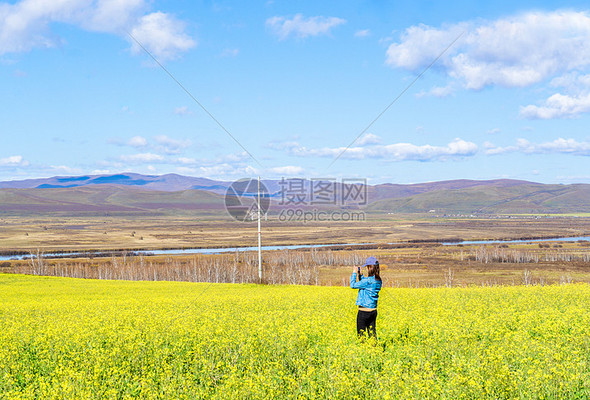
(371, 261)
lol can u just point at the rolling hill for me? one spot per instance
(521, 199)
(107, 199)
(129, 192)
(168, 182)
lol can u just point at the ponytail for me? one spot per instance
(373, 270)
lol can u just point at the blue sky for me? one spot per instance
(295, 82)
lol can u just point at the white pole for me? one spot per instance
(259, 236)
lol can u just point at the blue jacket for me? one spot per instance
(369, 290)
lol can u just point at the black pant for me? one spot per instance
(365, 322)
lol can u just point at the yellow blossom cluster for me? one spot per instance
(88, 339)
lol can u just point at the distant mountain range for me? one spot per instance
(167, 183)
(130, 192)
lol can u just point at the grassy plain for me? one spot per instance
(416, 264)
(465, 265)
(89, 339)
(54, 232)
(410, 265)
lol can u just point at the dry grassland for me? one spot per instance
(58, 233)
(421, 265)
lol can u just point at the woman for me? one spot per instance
(369, 288)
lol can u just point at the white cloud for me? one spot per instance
(289, 170)
(515, 51)
(368, 138)
(159, 144)
(236, 157)
(225, 170)
(365, 140)
(493, 131)
(457, 148)
(26, 24)
(141, 158)
(420, 45)
(170, 145)
(221, 166)
(283, 145)
(574, 101)
(13, 161)
(558, 106)
(572, 81)
(186, 160)
(163, 36)
(302, 27)
(186, 170)
(558, 146)
(137, 141)
(438, 91)
(441, 91)
(362, 33)
(183, 110)
(64, 169)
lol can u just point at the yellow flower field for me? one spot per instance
(69, 338)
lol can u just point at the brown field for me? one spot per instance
(413, 263)
(58, 232)
(417, 265)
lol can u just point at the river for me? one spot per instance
(304, 246)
